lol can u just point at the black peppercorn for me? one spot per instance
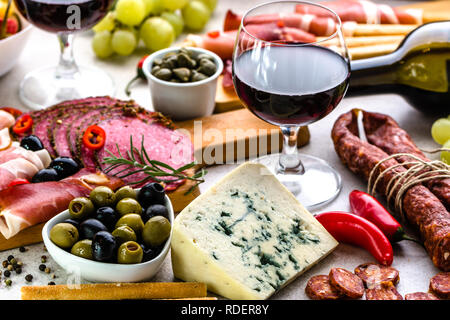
(7, 273)
(10, 257)
(29, 277)
(8, 282)
(19, 270)
(5, 264)
(42, 267)
(22, 249)
(51, 283)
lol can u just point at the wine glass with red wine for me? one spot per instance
(67, 80)
(287, 78)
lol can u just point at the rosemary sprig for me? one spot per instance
(139, 161)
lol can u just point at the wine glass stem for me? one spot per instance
(289, 161)
(67, 68)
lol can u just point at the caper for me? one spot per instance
(128, 205)
(102, 197)
(83, 249)
(132, 220)
(170, 62)
(155, 69)
(156, 231)
(175, 80)
(186, 52)
(207, 67)
(197, 76)
(182, 73)
(168, 55)
(184, 61)
(163, 74)
(204, 56)
(124, 234)
(130, 252)
(125, 192)
(64, 235)
(80, 208)
(157, 61)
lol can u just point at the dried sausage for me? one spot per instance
(347, 283)
(420, 296)
(374, 274)
(440, 285)
(385, 291)
(319, 288)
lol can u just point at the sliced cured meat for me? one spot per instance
(6, 119)
(386, 291)
(161, 144)
(91, 178)
(440, 285)
(16, 152)
(373, 274)
(18, 168)
(347, 283)
(25, 205)
(420, 296)
(319, 288)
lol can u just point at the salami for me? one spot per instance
(385, 291)
(421, 207)
(440, 285)
(319, 288)
(373, 274)
(420, 296)
(346, 283)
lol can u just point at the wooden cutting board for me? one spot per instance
(433, 11)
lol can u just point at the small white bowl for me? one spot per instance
(12, 46)
(183, 101)
(95, 271)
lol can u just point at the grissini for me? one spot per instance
(116, 291)
(371, 51)
(363, 41)
(353, 29)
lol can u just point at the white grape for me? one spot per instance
(196, 14)
(106, 24)
(130, 12)
(157, 33)
(445, 155)
(211, 4)
(101, 44)
(175, 20)
(123, 42)
(173, 5)
(155, 7)
(440, 131)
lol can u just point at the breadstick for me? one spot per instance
(363, 41)
(354, 29)
(205, 298)
(371, 51)
(116, 291)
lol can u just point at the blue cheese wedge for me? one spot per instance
(247, 236)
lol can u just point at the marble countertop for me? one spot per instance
(410, 259)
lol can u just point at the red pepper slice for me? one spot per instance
(366, 206)
(280, 24)
(94, 137)
(349, 228)
(23, 124)
(213, 34)
(15, 112)
(17, 182)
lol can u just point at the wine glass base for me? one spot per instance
(317, 186)
(41, 88)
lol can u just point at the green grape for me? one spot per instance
(175, 20)
(445, 155)
(106, 24)
(173, 5)
(440, 131)
(101, 44)
(196, 14)
(157, 33)
(155, 7)
(211, 4)
(123, 42)
(130, 12)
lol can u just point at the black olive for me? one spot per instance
(65, 166)
(155, 210)
(152, 193)
(88, 228)
(32, 143)
(150, 253)
(48, 174)
(108, 216)
(74, 222)
(104, 246)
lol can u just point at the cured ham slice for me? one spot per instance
(363, 11)
(17, 152)
(18, 168)
(26, 205)
(6, 119)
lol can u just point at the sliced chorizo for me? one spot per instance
(440, 285)
(373, 274)
(319, 288)
(420, 296)
(385, 291)
(347, 283)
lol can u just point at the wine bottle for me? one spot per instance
(419, 70)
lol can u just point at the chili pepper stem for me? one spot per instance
(127, 88)
(406, 237)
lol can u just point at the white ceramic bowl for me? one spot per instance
(183, 101)
(11, 47)
(94, 271)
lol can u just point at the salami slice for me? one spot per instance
(373, 274)
(347, 283)
(319, 288)
(420, 296)
(440, 285)
(386, 291)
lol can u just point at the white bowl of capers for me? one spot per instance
(183, 81)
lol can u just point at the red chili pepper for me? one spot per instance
(15, 112)
(280, 24)
(94, 137)
(213, 34)
(139, 75)
(17, 182)
(366, 206)
(349, 228)
(23, 124)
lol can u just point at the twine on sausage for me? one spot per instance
(419, 171)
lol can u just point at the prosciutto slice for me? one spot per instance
(6, 119)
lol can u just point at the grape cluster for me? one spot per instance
(440, 131)
(156, 22)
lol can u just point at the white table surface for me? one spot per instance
(410, 259)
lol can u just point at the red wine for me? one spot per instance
(59, 16)
(291, 85)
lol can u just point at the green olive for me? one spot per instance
(125, 192)
(156, 231)
(102, 197)
(128, 205)
(124, 234)
(64, 235)
(130, 252)
(83, 249)
(80, 208)
(132, 220)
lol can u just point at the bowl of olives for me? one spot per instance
(183, 81)
(121, 236)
